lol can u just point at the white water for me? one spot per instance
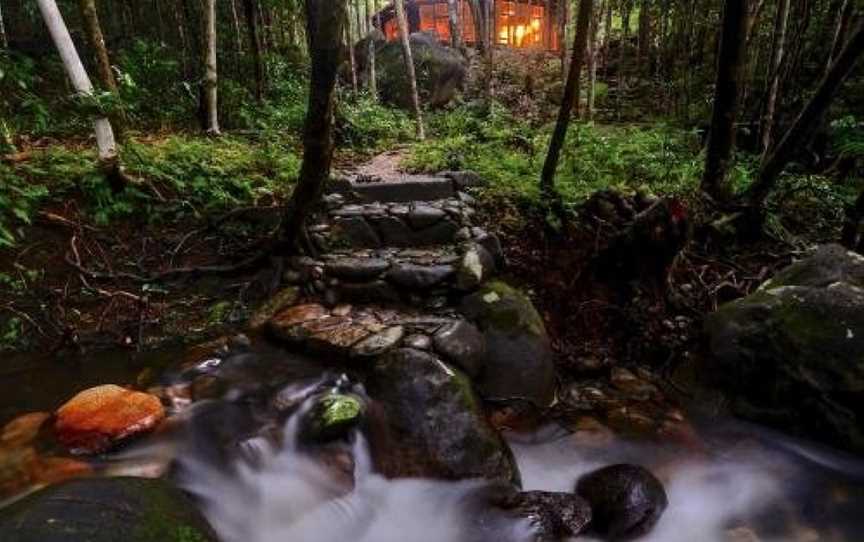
(288, 496)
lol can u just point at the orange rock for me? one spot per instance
(96, 419)
(51, 470)
(23, 429)
(299, 314)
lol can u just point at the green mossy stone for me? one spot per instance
(332, 417)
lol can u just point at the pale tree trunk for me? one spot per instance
(106, 146)
(4, 41)
(571, 92)
(721, 139)
(351, 58)
(809, 118)
(238, 35)
(96, 41)
(490, 38)
(324, 31)
(477, 14)
(607, 38)
(593, 53)
(778, 49)
(373, 76)
(455, 25)
(844, 17)
(409, 67)
(211, 76)
(255, 43)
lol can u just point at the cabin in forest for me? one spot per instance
(522, 24)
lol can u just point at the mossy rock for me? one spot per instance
(792, 356)
(332, 417)
(106, 510)
(519, 362)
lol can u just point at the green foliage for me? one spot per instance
(366, 125)
(848, 136)
(18, 201)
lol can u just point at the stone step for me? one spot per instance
(417, 277)
(377, 225)
(402, 188)
(360, 334)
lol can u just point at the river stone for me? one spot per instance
(287, 319)
(418, 277)
(393, 231)
(331, 417)
(354, 232)
(442, 232)
(106, 510)
(377, 291)
(358, 269)
(418, 341)
(519, 362)
(433, 424)
(379, 343)
(791, 355)
(284, 298)
(423, 216)
(462, 344)
(475, 267)
(99, 418)
(626, 500)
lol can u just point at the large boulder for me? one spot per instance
(430, 423)
(791, 355)
(440, 70)
(105, 510)
(519, 363)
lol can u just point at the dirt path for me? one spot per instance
(384, 166)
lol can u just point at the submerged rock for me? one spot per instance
(98, 418)
(626, 500)
(105, 510)
(519, 363)
(791, 355)
(332, 417)
(431, 424)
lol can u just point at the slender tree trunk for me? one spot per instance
(593, 53)
(478, 17)
(844, 17)
(103, 64)
(255, 46)
(409, 67)
(778, 49)
(238, 35)
(373, 76)
(562, 33)
(721, 139)
(4, 41)
(324, 30)
(351, 59)
(105, 143)
(455, 24)
(211, 77)
(809, 118)
(488, 53)
(644, 31)
(571, 91)
(607, 38)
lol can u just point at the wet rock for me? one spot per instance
(22, 468)
(590, 433)
(23, 429)
(418, 277)
(475, 267)
(105, 510)
(393, 231)
(462, 344)
(354, 232)
(519, 363)
(379, 343)
(440, 233)
(790, 354)
(377, 291)
(418, 341)
(284, 298)
(332, 417)
(357, 269)
(432, 424)
(561, 515)
(464, 179)
(281, 324)
(98, 418)
(422, 216)
(335, 335)
(626, 500)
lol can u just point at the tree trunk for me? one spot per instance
(809, 118)
(373, 76)
(105, 144)
(477, 15)
(571, 91)
(644, 31)
(488, 53)
(721, 139)
(351, 60)
(324, 31)
(778, 48)
(455, 24)
(96, 40)
(211, 77)
(4, 41)
(409, 67)
(593, 53)
(255, 46)
(235, 19)
(844, 17)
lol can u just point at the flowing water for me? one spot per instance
(256, 484)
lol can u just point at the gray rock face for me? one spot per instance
(418, 277)
(519, 363)
(356, 268)
(462, 344)
(476, 266)
(441, 72)
(355, 231)
(791, 355)
(422, 216)
(433, 424)
(100, 509)
(626, 500)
